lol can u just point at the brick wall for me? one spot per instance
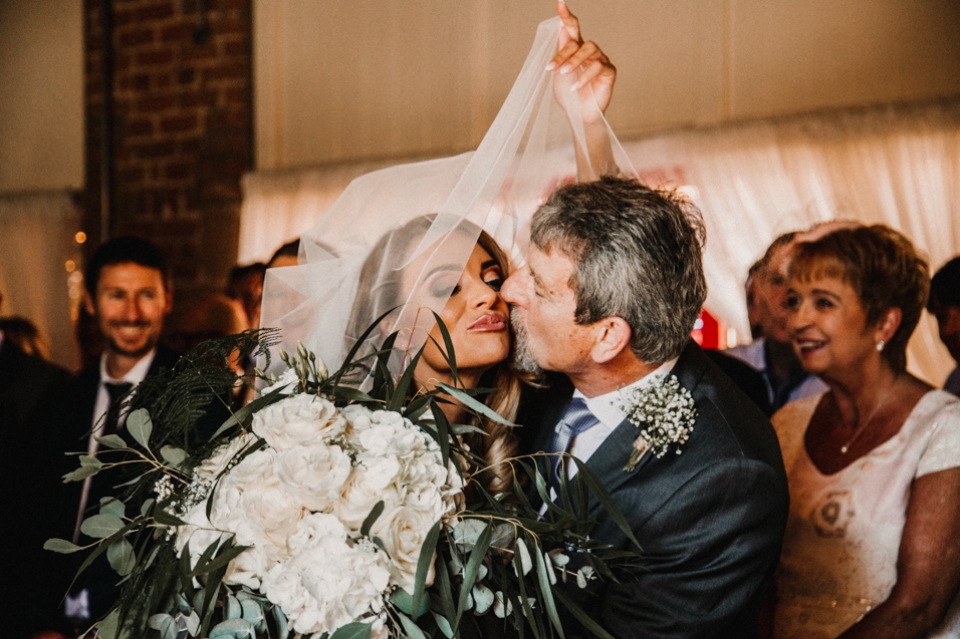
(182, 128)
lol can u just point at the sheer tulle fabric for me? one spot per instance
(399, 238)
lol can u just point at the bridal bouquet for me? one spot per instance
(320, 509)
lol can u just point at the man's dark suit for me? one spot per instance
(710, 521)
(24, 381)
(74, 417)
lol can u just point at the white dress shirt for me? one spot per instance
(608, 409)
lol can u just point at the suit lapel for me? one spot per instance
(608, 461)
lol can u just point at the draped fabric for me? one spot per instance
(394, 244)
(895, 164)
(36, 242)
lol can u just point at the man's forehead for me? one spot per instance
(129, 273)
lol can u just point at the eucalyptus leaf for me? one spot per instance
(166, 519)
(404, 601)
(482, 599)
(112, 506)
(88, 460)
(411, 629)
(173, 455)
(109, 628)
(280, 619)
(100, 526)
(547, 579)
(193, 623)
(121, 557)
(471, 570)
(232, 608)
(424, 564)
(444, 624)
(155, 621)
(355, 630)
(525, 562)
(140, 426)
(81, 473)
(112, 441)
(61, 546)
(146, 506)
(252, 611)
(233, 628)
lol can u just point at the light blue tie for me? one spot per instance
(576, 419)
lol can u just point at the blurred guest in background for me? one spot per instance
(286, 255)
(944, 303)
(773, 354)
(25, 335)
(873, 464)
(246, 286)
(25, 377)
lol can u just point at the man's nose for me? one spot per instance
(512, 290)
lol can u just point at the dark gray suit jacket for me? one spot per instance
(710, 521)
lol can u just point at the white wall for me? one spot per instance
(339, 80)
(41, 95)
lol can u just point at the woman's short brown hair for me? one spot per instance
(884, 269)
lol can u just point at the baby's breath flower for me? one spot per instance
(664, 411)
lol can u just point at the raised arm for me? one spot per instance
(928, 564)
(584, 74)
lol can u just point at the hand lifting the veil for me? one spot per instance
(437, 237)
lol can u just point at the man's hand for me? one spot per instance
(595, 69)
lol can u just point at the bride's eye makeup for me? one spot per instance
(493, 278)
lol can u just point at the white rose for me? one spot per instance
(327, 586)
(427, 497)
(212, 466)
(298, 419)
(316, 473)
(314, 528)
(248, 568)
(270, 513)
(370, 482)
(403, 531)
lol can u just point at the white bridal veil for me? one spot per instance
(400, 237)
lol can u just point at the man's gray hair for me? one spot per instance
(637, 254)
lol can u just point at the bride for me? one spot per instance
(461, 224)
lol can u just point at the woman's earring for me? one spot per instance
(880, 346)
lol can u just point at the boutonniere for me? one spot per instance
(664, 412)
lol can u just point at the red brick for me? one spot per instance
(154, 57)
(178, 170)
(177, 32)
(237, 95)
(236, 48)
(155, 103)
(124, 16)
(186, 76)
(155, 11)
(163, 79)
(178, 124)
(122, 62)
(138, 127)
(153, 150)
(138, 82)
(238, 5)
(194, 53)
(200, 98)
(232, 70)
(135, 36)
(129, 175)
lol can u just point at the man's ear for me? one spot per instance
(612, 336)
(88, 303)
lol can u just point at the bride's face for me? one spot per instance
(475, 316)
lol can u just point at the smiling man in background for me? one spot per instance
(129, 294)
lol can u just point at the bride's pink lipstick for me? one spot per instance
(489, 322)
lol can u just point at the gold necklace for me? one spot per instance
(861, 427)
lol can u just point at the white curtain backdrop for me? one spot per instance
(899, 165)
(37, 239)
